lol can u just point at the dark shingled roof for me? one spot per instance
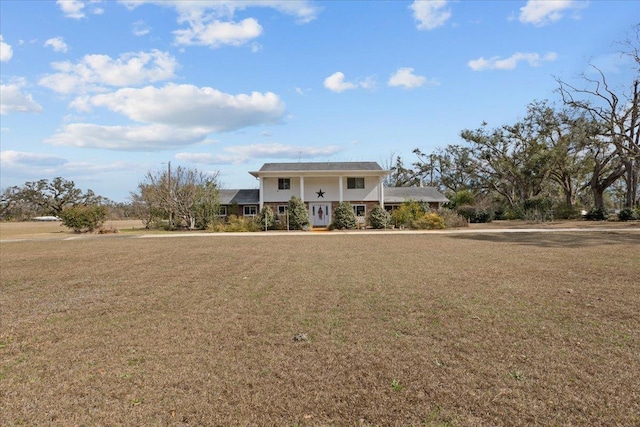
(241, 197)
(423, 194)
(320, 166)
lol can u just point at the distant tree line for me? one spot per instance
(182, 198)
(78, 210)
(44, 197)
(584, 154)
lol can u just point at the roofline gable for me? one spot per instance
(320, 169)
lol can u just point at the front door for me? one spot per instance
(320, 214)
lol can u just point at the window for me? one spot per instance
(222, 211)
(284, 183)
(282, 209)
(359, 210)
(250, 210)
(355, 183)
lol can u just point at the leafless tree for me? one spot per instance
(616, 109)
(186, 194)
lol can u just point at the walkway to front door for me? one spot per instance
(320, 214)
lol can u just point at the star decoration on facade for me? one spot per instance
(320, 193)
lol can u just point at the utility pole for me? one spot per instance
(170, 196)
(431, 156)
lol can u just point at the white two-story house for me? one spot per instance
(321, 186)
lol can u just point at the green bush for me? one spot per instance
(537, 209)
(217, 224)
(298, 214)
(82, 219)
(343, 217)
(462, 198)
(266, 217)
(475, 215)
(379, 218)
(511, 214)
(235, 224)
(537, 203)
(627, 214)
(429, 221)
(466, 211)
(566, 211)
(407, 212)
(597, 214)
(280, 223)
(482, 215)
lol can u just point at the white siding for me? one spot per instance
(272, 194)
(328, 184)
(366, 194)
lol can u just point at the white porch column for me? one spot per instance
(340, 191)
(302, 188)
(261, 193)
(381, 192)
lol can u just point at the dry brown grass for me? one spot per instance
(435, 330)
(55, 229)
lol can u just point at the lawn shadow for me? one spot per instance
(557, 239)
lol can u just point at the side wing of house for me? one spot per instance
(239, 202)
(395, 196)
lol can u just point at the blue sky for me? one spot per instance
(100, 92)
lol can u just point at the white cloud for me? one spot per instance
(256, 47)
(197, 158)
(612, 63)
(496, 63)
(140, 28)
(171, 116)
(335, 83)
(406, 78)
(430, 14)
(6, 52)
(275, 150)
(57, 44)
(76, 8)
(192, 106)
(367, 83)
(217, 33)
(125, 138)
(81, 104)
(542, 12)
(21, 163)
(14, 159)
(12, 99)
(243, 153)
(72, 8)
(304, 11)
(96, 166)
(94, 72)
(211, 22)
